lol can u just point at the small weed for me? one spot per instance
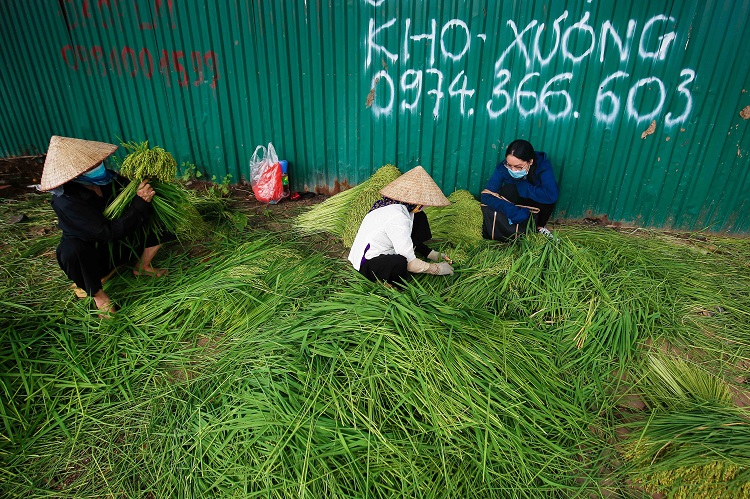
(189, 171)
(221, 189)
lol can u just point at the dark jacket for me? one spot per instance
(539, 185)
(80, 213)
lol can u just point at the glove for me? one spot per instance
(444, 268)
(438, 257)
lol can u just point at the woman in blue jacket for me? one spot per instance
(522, 186)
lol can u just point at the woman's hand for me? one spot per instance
(444, 268)
(436, 257)
(145, 191)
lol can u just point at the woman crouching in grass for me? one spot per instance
(384, 248)
(92, 246)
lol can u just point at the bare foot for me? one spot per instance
(108, 312)
(149, 271)
(104, 304)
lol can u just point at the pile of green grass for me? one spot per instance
(342, 214)
(460, 222)
(262, 367)
(694, 443)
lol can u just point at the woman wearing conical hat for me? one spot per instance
(82, 187)
(396, 227)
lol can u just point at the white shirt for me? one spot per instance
(388, 232)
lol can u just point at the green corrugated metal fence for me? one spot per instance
(642, 106)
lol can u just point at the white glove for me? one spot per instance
(418, 266)
(438, 257)
(444, 268)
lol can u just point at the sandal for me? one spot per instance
(79, 292)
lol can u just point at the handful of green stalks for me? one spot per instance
(173, 211)
(342, 214)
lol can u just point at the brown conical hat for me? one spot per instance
(67, 158)
(415, 187)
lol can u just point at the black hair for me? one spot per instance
(522, 149)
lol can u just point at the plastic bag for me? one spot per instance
(265, 175)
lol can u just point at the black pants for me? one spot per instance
(510, 192)
(392, 268)
(86, 262)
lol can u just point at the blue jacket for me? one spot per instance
(543, 189)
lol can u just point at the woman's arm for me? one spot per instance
(398, 230)
(546, 191)
(511, 211)
(84, 221)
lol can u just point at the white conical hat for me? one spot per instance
(67, 158)
(415, 187)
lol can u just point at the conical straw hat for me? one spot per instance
(415, 187)
(67, 158)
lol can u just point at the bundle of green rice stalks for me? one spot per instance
(173, 210)
(460, 222)
(697, 452)
(671, 382)
(143, 162)
(339, 213)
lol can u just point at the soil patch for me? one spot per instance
(19, 175)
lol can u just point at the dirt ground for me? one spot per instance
(17, 174)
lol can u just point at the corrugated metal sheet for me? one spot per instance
(342, 87)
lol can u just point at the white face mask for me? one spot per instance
(98, 176)
(516, 174)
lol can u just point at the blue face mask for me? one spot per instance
(516, 174)
(98, 176)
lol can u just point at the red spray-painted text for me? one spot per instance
(175, 67)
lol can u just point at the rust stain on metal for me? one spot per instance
(337, 187)
(745, 113)
(371, 95)
(648, 131)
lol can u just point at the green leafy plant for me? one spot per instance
(460, 222)
(189, 171)
(700, 451)
(671, 382)
(220, 189)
